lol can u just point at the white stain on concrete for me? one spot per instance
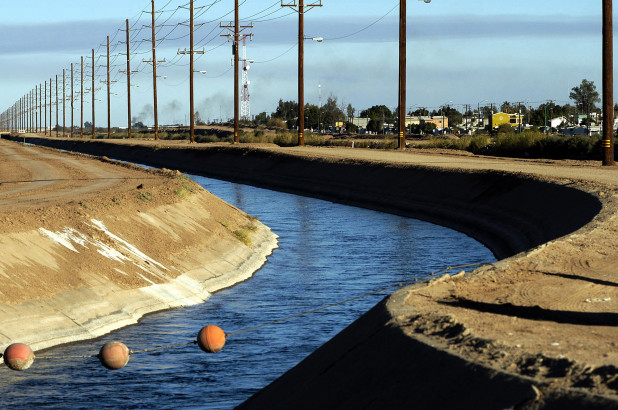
(117, 249)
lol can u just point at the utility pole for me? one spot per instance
(108, 95)
(608, 85)
(402, 75)
(50, 107)
(45, 99)
(64, 100)
(36, 107)
(57, 107)
(128, 73)
(72, 100)
(237, 28)
(191, 53)
(81, 95)
(191, 101)
(93, 98)
(40, 102)
(154, 63)
(301, 9)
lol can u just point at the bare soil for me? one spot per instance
(46, 188)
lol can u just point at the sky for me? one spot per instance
(458, 52)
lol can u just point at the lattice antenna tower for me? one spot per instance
(245, 97)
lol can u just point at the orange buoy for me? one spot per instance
(114, 355)
(18, 356)
(211, 339)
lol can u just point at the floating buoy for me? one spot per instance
(114, 355)
(211, 339)
(18, 356)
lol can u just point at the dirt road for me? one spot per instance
(36, 177)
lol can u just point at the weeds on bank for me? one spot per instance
(243, 233)
(188, 186)
(145, 196)
(528, 144)
(84, 204)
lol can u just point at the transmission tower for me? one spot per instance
(245, 98)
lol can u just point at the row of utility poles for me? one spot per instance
(17, 116)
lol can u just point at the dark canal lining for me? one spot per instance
(328, 252)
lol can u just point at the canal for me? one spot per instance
(328, 252)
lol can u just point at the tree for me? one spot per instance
(312, 116)
(350, 111)
(507, 107)
(198, 119)
(88, 125)
(286, 110)
(378, 115)
(454, 116)
(261, 118)
(421, 112)
(428, 127)
(585, 96)
(331, 113)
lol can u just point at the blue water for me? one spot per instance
(328, 252)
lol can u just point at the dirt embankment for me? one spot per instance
(91, 245)
(537, 329)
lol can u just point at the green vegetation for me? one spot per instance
(528, 144)
(145, 196)
(187, 186)
(243, 233)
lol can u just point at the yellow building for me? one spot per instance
(504, 118)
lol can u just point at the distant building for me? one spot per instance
(441, 122)
(514, 120)
(558, 122)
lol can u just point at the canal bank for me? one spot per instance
(91, 246)
(530, 318)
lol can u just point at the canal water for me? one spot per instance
(328, 253)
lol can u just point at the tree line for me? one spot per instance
(584, 96)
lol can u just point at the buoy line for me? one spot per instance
(211, 339)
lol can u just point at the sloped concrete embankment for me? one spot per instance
(103, 271)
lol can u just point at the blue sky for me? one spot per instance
(467, 52)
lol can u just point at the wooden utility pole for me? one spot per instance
(36, 109)
(128, 72)
(154, 74)
(40, 107)
(57, 107)
(191, 53)
(81, 97)
(93, 98)
(191, 68)
(301, 9)
(45, 109)
(64, 100)
(608, 84)
(72, 101)
(50, 107)
(402, 75)
(236, 37)
(108, 95)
